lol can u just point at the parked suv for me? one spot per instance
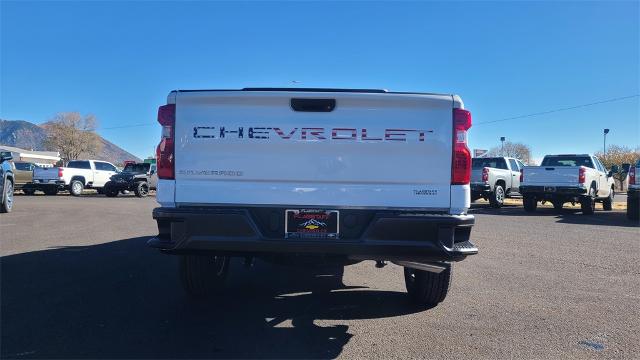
(6, 182)
(347, 175)
(575, 178)
(495, 178)
(136, 177)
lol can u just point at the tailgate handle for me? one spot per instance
(313, 105)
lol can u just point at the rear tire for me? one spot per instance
(427, 288)
(588, 203)
(109, 190)
(530, 203)
(607, 204)
(76, 187)
(142, 189)
(633, 208)
(53, 191)
(496, 198)
(203, 275)
(28, 191)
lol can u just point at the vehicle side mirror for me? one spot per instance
(615, 169)
(152, 172)
(5, 156)
(610, 173)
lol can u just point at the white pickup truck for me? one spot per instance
(495, 178)
(340, 175)
(76, 176)
(575, 178)
(633, 193)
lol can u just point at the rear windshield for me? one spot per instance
(137, 168)
(79, 165)
(498, 163)
(567, 160)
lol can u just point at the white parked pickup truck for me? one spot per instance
(633, 193)
(568, 178)
(335, 175)
(76, 176)
(495, 178)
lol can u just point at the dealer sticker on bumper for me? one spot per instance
(311, 223)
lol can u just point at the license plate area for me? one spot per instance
(550, 189)
(312, 223)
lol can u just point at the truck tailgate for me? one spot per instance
(551, 175)
(371, 150)
(41, 174)
(476, 175)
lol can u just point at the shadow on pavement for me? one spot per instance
(569, 216)
(123, 300)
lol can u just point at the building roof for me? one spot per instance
(52, 155)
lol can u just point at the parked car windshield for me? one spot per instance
(567, 160)
(498, 163)
(137, 168)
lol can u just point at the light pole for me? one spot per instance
(502, 139)
(604, 154)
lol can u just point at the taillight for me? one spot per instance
(632, 175)
(461, 159)
(581, 174)
(165, 158)
(485, 175)
(60, 172)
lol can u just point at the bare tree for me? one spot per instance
(618, 155)
(515, 150)
(73, 135)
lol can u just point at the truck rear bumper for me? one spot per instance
(42, 186)
(541, 191)
(364, 234)
(479, 188)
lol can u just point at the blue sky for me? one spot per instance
(118, 60)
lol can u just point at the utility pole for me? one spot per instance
(604, 154)
(502, 139)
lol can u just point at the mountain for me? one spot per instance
(22, 134)
(26, 135)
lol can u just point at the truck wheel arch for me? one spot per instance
(79, 178)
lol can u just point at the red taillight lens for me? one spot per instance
(485, 175)
(165, 153)
(581, 174)
(632, 175)
(461, 159)
(60, 172)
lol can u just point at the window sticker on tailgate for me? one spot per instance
(211, 172)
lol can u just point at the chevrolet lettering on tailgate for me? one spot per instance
(308, 133)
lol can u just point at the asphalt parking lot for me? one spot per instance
(79, 282)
